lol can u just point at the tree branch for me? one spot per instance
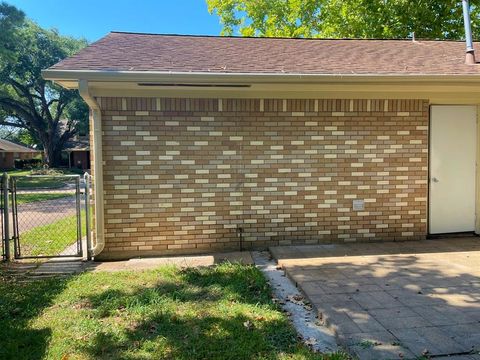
(17, 107)
(22, 111)
(17, 125)
(23, 91)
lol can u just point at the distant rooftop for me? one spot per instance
(8, 146)
(119, 51)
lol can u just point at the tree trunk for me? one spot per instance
(52, 152)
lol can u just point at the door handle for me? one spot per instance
(435, 180)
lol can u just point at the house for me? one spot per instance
(10, 152)
(205, 143)
(76, 153)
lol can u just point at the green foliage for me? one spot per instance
(51, 114)
(19, 136)
(27, 163)
(23, 136)
(10, 20)
(432, 19)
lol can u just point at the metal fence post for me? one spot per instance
(79, 214)
(86, 178)
(6, 219)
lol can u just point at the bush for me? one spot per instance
(45, 170)
(27, 163)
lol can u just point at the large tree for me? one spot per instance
(432, 19)
(50, 113)
(11, 19)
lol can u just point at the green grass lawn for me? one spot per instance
(18, 172)
(23, 198)
(52, 238)
(29, 172)
(41, 182)
(222, 312)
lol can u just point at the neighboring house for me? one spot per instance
(201, 143)
(77, 153)
(9, 152)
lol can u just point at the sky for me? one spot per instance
(92, 19)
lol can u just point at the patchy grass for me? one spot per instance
(222, 312)
(24, 198)
(52, 238)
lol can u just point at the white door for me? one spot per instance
(452, 168)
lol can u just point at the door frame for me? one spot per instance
(477, 172)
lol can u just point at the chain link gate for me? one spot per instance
(48, 216)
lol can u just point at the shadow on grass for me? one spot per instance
(201, 315)
(194, 337)
(246, 287)
(20, 303)
(221, 312)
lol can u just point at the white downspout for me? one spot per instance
(97, 166)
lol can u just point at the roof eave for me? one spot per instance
(71, 77)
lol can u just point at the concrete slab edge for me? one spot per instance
(302, 315)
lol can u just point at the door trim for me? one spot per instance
(477, 174)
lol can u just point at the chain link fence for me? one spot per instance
(45, 216)
(49, 218)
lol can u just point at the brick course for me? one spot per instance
(182, 175)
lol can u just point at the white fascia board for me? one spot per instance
(71, 76)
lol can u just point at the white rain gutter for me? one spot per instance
(97, 166)
(242, 78)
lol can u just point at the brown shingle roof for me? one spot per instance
(175, 53)
(8, 146)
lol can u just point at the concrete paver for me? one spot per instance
(395, 300)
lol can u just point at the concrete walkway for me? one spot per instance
(180, 261)
(394, 300)
(65, 267)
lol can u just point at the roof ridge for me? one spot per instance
(279, 37)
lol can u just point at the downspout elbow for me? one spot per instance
(97, 166)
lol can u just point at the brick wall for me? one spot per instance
(181, 175)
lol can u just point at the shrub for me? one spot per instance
(46, 171)
(27, 163)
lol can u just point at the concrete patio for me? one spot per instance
(399, 300)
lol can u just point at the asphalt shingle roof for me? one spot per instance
(176, 53)
(8, 146)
